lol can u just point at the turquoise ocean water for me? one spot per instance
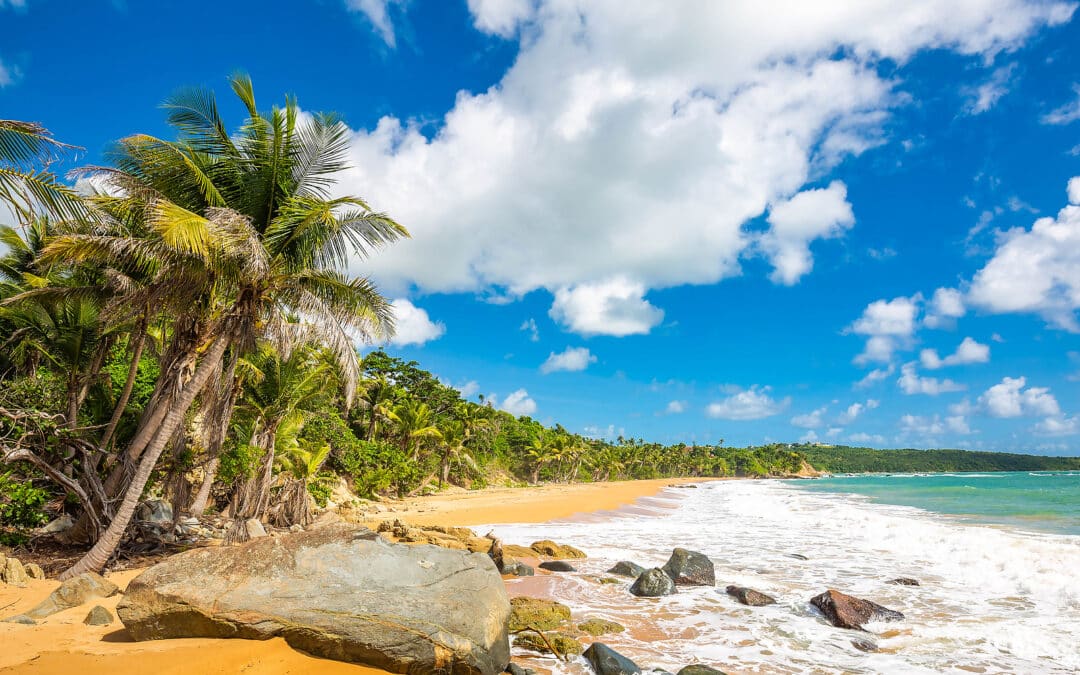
(1046, 501)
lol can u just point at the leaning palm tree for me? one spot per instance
(452, 450)
(299, 464)
(242, 231)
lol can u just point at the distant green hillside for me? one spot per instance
(844, 459)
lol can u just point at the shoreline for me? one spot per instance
(532, 504)
(62, 644)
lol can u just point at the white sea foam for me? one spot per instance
(992, 600)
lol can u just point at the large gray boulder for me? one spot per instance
(340, 592)
(690, 568)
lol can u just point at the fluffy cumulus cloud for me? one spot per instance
(946, 305)
(571, 359)
(751, 404)
(794, 223)
(887, 325)
(1036, 271)
(615, 306)
(811, 420)
(675, 408)
(1011, 398)
(854, 410)
(518, 403)
(530, 327)
(969, 351)
(911, 382)
(1058, 425)
(413, 326)
(647, 136)
(377, 12)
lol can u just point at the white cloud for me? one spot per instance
(530, 327)
(969, 351)
(945, 307)
(1058, 426)
(14, 4)
(571, 359)
(811, 420)
(499, 17)
(1073, 190)
(518, 403)
(1067, 113)
(866, 438)
(8, 74)
(413, 326)
(616, 306)
(889, 325)
(957, 424)
(751, 404)
(875, 376)
(1009, 398)
(812, 214)
(984, 96)
(912, 383)
(809, 437)
(378, 13)
(469, 389)
(926, 426)
(855, 409)
(639, 139)
(675, 408)
(1035, 271)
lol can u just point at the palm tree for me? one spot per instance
(299, 464)
(241, 229)
(452, 449)
(376, 395)
(278, 390)
(415, 425)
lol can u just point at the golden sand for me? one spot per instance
(62, 644)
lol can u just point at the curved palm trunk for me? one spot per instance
(137, 345)
(97, 556)
(220, 413)
(444, 470)
(253, 497)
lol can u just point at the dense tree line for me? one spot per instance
(185, 327)
(843, 459)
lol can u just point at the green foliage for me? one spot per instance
(844, 459)
(21, 503)
(321, 487)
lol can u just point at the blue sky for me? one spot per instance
(841, 222)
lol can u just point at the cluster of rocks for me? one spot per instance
(540, 625)
(71, 593)
(14, 572)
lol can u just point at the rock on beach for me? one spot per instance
(339, 592)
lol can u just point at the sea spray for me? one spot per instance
(992, 599)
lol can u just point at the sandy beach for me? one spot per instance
(62, 644)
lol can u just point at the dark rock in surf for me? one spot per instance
(557, 566)
(653, 584)
(749, 596)
(606, 661)
(518, 569)
(690, 568)
(846, 611)
(864, 646)
(904, 581)
(698, 669)
(625, 568)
